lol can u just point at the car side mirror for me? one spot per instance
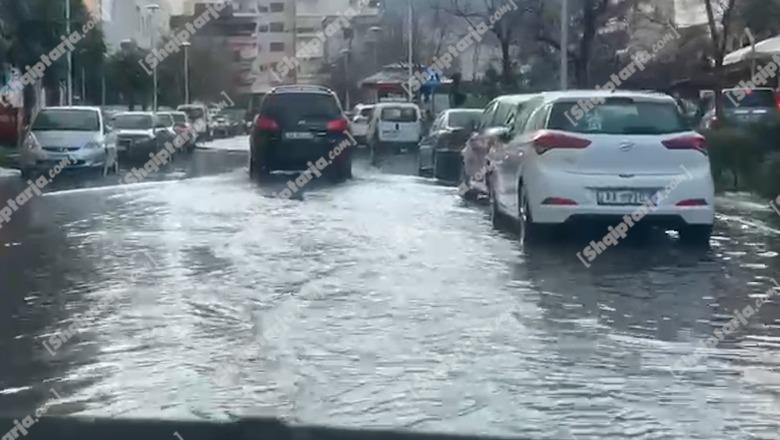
(503, 134)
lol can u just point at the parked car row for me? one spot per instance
(542, 163)
(93, 139)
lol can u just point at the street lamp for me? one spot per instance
(186, 45)
(70, 55)
(153, 9)
(376, 30)
(564, 44)
(346, 53)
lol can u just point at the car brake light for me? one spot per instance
(548, 140)
(692, 202)
(558, 201)
(688, 142)
(264, 123)
(337, 125)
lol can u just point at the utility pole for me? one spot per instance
(70, 55)
(411, 50)
(564, 44)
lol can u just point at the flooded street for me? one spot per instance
(383, 302)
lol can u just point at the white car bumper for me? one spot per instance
(582, 189)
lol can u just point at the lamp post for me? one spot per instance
(411, 51)
(70, 55)
(564, 44)
(346, 53)
(376, 30)
(186, 45)
(153, 9)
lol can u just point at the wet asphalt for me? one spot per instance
(386, 301)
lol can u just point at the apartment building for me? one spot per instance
(313, 16)
(132, 20)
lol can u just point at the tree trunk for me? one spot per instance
(506, 62)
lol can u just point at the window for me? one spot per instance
(502, 114)
(524, 113)
(262, 8)
(538, 119)
(262, 28)
(277, 27)
(487, 115)
(463, 119)
(277, 7)
(399, 114)
(277, 47)
(290, 108)
(133, 122)
(620, 116)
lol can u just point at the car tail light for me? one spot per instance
(692, 202)
(561, 201)
(548, 140)
(777, 100)
(712, 123)
(688, 142)
(337, 125)
(264, 123)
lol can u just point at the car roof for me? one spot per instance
(135, 114)
(396, 104)
(301, 88)
(568, 95)
(749, 88)
(74, 107)
(463, 110)
(518, 98)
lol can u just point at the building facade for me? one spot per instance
(133, 20)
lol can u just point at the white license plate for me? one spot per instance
(299, 135)
(624, 197)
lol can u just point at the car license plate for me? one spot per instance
(299, 135)
(625, 197)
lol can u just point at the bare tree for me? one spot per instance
(505, 29)
(720, 14)
(585, 23)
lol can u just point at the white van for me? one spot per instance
(394, 126)
(200, 118)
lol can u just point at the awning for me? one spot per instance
(764, 49)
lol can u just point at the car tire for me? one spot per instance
(28, 174)
(496, 217)
(696, 235)
(257, 171)
(528, 231)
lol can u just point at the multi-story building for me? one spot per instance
(313, 17)
(132, 20)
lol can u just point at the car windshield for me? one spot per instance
(399, 114)
(619, 116)
(194, 113)
(747, 98)
(165, 119)
(132, 122)
(67, 120)
(464, 119)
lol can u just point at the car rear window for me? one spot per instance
(133, 122)
(399, 114)
(288, 109)
(752, 98)
(464, 119)
(619, 116)
(180, 118)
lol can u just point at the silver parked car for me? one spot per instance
(75, 133)
(140, 133)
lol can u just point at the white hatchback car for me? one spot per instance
(596, 155)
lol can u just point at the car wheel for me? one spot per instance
(28, 174)
(527, 229)
(496, 218)
(696, 235)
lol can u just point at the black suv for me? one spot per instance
(300, 127)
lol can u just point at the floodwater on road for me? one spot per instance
(385, 301)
